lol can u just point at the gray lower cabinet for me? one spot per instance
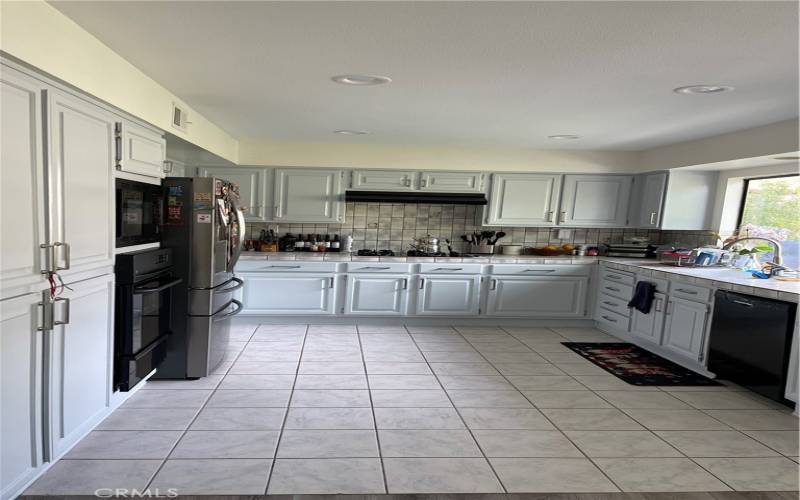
(21, 393)
(537, 296)
(685, 326)
(650, 327)
(78, 378)
(308, 195)
(450, 295)
(376, 294)
(288, 293)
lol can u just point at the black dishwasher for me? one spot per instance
(750, 342)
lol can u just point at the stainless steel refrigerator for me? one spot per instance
(204, 226)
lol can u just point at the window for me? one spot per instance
(771, 208)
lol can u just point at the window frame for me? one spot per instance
(745, 190)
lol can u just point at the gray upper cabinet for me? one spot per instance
(595, 200)
(21, 182)
(384, 180)
(524, 199)
(308, 195)
(650, 196)
(252, 189)
(80, 186)
(451, 182)
(141, 150)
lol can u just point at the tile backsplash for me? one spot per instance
(393, 226)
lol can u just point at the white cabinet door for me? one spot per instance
(685, 327)
(21, 446)
(448, 295)
(80, 183)
(21, 181)
(451, 182)
(524, 199)
(308, 195)
(287, 293)
(79, 371)
(650, 326)
(382, 295)
(384, 180)
(595, 200)
(652, 189)
(252, 188)
(141, 150)
(541, 296)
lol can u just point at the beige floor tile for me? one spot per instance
(505, 418)
(754, 474)
(326, 475)
(428, 443)
(757, 420)
(676, 420)
(551, 475)
(715, 444)
(591, 420)
(621, 444)
(659, 475)
(610, 383)
(785, 442)
(727, 400)
(643, 400)
(566, 399)
(440, 475)
(545, 382)
(525, 443)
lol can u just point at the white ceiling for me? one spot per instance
(465, 73)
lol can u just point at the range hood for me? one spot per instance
(416, 197)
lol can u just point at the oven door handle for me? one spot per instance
(146, 349)
(239, 284)
(140, 290)
(236, 311)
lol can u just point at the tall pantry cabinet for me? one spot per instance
(57, 206)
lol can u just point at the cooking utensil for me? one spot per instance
(498, 237)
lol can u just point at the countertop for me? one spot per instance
(715, 277)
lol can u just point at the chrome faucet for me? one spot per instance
(776, 258)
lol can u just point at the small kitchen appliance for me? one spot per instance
(139, 212)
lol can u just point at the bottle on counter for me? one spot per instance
(309, 242)
(327, 242)
(300, 244)
(336, 245)
(348, 243)
(314, 243)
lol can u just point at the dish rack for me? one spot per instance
(677, 259)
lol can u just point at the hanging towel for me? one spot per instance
(642, 298)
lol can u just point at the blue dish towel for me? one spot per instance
(642, 299)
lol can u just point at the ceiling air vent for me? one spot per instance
(179, 117)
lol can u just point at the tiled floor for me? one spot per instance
(343, 409)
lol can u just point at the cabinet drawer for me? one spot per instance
(618, 276)
(616, 289)
(613, 320)
(541, 270)
(613, 304)
(444, 268)
(690, 292)
(284, 266)
(378, 267)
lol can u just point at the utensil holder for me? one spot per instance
(482, 249)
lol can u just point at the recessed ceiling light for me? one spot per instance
(703, 89)
(563, 137)
(361, 79)
(351, 132)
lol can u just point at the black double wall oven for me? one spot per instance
(145, 284)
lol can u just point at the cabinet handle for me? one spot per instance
(659, 303)
(614, 276)
(653, 218)
(66, 310)
(407, 182)
(683, 290)
(377, 268)
(405, 284)
(423, 183)
(422, 284)
(612, 289)
(548, 216)
(332, 282)
(494, 285)
(563, 217)
(539, 271)
(277, 211)
(670, 305)
(612, 304)
(283, 267)
(743, 303)
(607, 318)
(448, 269)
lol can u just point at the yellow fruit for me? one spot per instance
(551, 247)
(568, 247)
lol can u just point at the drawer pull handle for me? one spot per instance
(743, 303)
(377, 268)
(405, 283)
(612, 289)
(683, 290)
(609, 319)
(653, 218)
(539, 271)
(332, 282)
(659, 304)
(283, 267)
(612, 304)
(614, 276)
(449, 269)
(494, 285)
(422, 284)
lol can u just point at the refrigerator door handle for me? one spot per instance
(239, 307)
(239, 284)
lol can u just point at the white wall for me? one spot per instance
(435, 158)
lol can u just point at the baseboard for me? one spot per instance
(411, 320)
